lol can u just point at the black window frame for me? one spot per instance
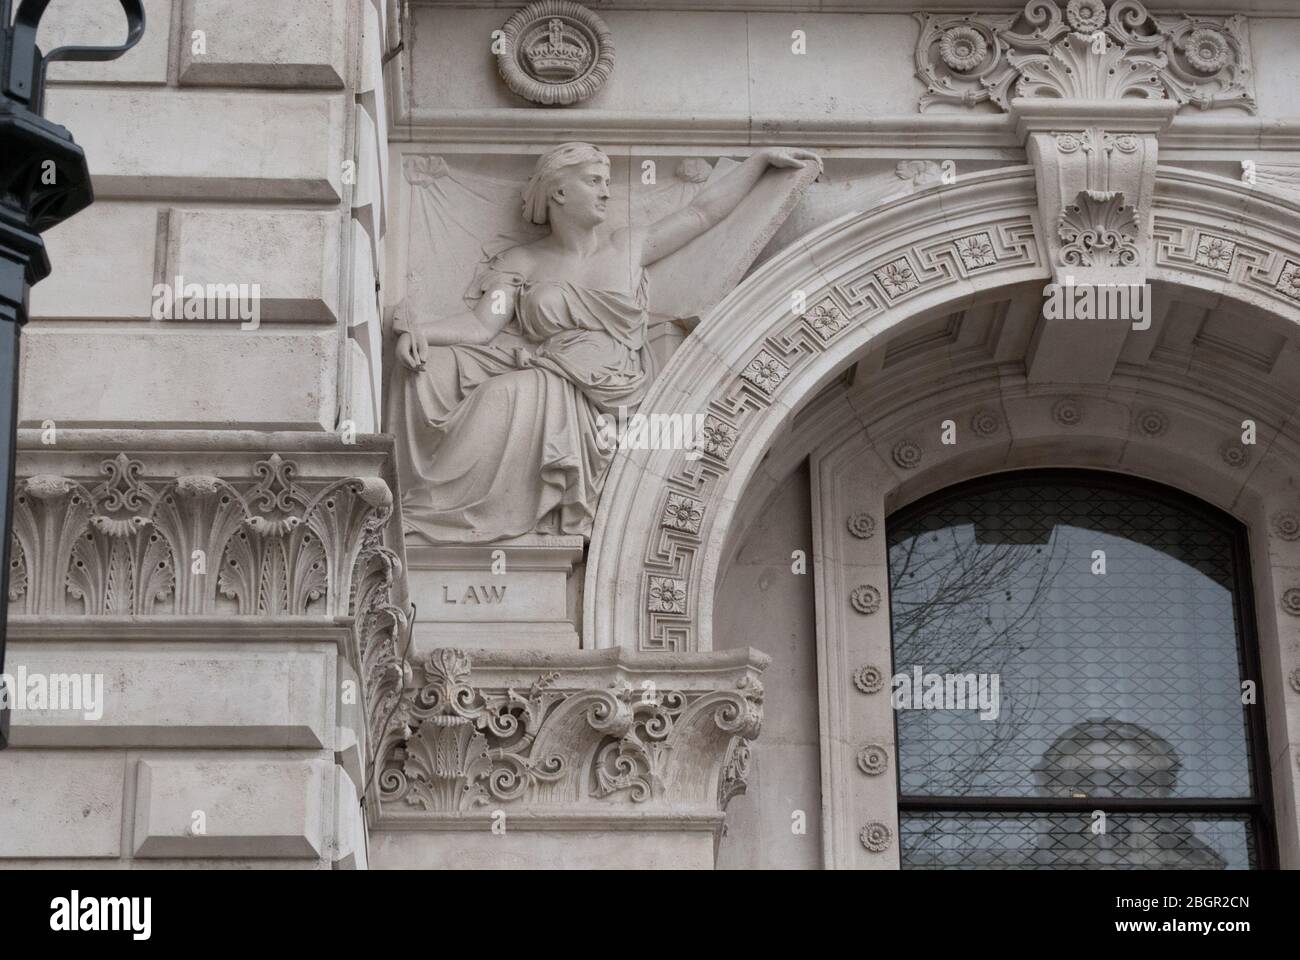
(1260, 807)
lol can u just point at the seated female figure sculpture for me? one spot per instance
(495, 442)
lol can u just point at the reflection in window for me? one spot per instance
(1108, 613)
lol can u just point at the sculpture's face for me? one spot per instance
(584, 192)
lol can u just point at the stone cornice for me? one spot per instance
(1259, 8)
(929, 135)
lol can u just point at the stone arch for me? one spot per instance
(763, 354)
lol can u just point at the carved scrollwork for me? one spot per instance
(1085, 52)
(469, 746)
(1098, 230)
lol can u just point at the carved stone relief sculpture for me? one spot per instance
(555, 52)
(457, 746)
(504, 411)
(978, 58)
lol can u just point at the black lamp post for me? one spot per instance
(44, 180)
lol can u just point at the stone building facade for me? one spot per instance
(1034, 300)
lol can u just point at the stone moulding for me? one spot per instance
(629, 545)
(600, 733)
(1082, 50)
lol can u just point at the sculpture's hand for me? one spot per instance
(784, 157)
(412, 351)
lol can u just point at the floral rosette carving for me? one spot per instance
(876, 837)
(1287, 525)
(869, 678)
(1086, 16)
(1048, 49)
(1152, 423)
(873, 759)
(862, 525)
(907, 454)
(865, 599)
(963, 48)
(464, 747)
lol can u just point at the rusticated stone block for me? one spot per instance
(270, 43)
(178, 697)
(64, 804)
(103, 265)
(206, 145)
(293, 257)
(102, 24)
(231, 808)
(182, 379)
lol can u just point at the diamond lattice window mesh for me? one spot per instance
(1109, 617)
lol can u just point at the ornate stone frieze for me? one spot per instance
(833, 314)
(192, 544)
(595, 733)
(1084, 49)
(555, 52)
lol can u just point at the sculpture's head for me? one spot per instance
(571, 180)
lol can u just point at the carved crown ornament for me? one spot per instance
(463, 741)
(1085, 50)
(555, 52)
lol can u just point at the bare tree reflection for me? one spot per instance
(960, 605)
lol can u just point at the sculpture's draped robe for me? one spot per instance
(495, 442)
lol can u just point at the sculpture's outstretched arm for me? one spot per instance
(479, 325)
(712, 204)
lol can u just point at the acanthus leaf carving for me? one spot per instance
(180, 545)
(467, 745)
(1098, 230)
(1087, 53)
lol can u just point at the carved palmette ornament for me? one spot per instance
(1098, 230)
(555, 52)
(1084, 49)
(470, 747)
(192, 544)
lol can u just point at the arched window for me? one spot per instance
(1070, 653)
